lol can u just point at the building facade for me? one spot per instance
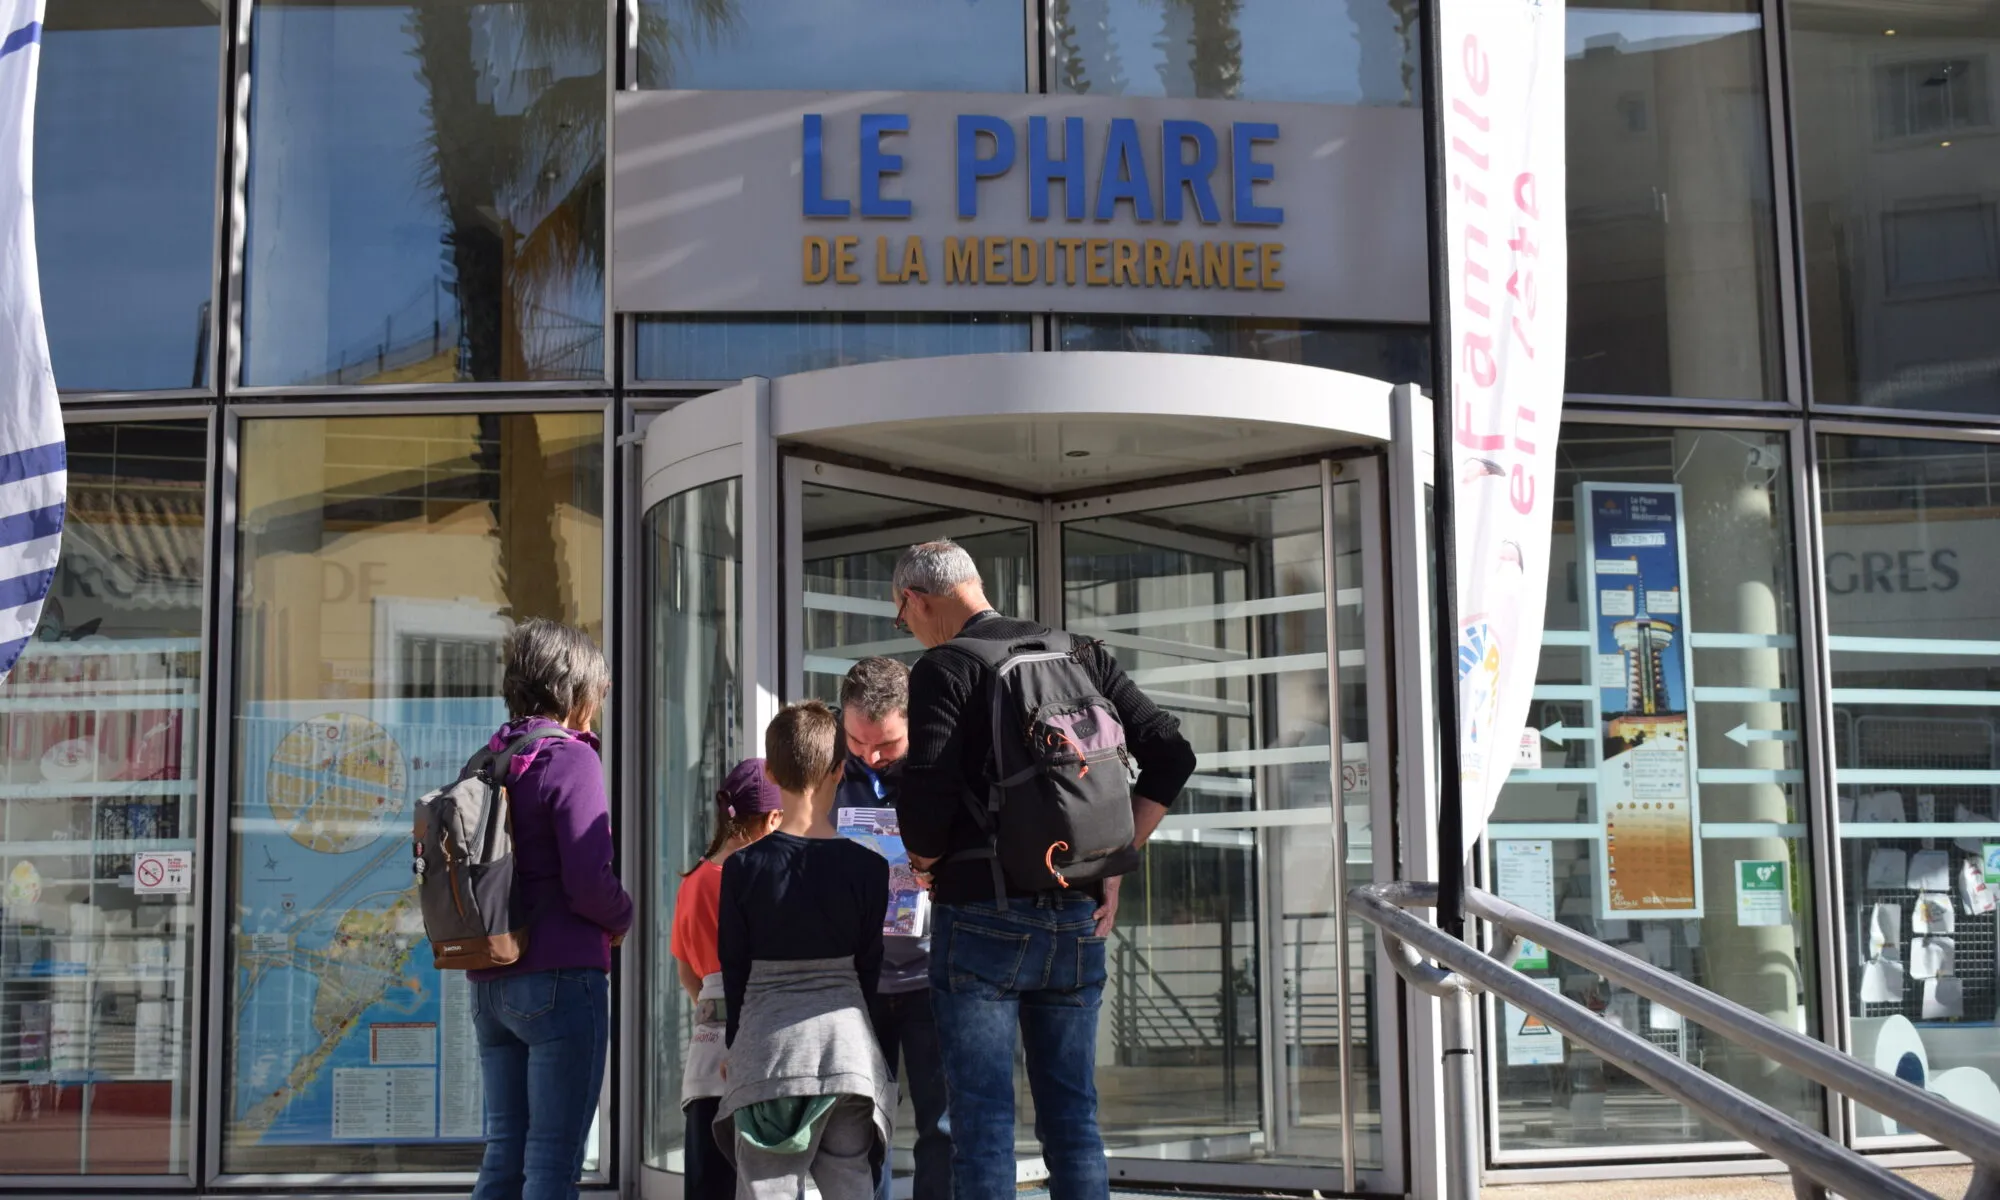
(382, 325)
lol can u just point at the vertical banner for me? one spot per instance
(1635, 559)
(33, 465)
(1505, 260)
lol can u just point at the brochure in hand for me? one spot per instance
(909, 912)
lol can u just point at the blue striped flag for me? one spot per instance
(33, 461)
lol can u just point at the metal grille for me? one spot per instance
(1922, 744)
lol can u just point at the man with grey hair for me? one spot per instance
(875, 720)
(1027, 964)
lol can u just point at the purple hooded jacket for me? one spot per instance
(562, 853)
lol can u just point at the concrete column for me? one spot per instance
(1738, 550)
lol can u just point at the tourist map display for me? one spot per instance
(343, 1029)
(909, 903)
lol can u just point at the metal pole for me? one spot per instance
(1461, 1097)
(1460, 1068)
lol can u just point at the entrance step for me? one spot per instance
(1949, 1182)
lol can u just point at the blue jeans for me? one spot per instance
(904, 1021)
(1034, 966)
(542, 1040)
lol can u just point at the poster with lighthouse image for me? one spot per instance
(1647, 800)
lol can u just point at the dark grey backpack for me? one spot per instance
(1058, 806)
(464, 845)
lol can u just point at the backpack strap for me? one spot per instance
(496, 763)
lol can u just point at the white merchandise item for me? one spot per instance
(1882, 808)
(1926, 808)
(1885, 930)
(1944, 999)
(1892, 1045)
(1888, 867)
(1932, 957)
(1930, 871)
(1932, 913)
(1972, 890)
(1882, 982)
(1969, 1088)
(1965, 816)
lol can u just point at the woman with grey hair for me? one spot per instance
(543, 1022)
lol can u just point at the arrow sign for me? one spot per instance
(1743, 735)
(1560, 733)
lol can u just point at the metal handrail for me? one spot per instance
(1817, 1162)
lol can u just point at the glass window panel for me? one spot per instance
(834, 45)
(426, 192)
(102, 724)
(1733, 621)
(1397, 354)
(1673, 259)
(736, 347)
(694, 656)
(1908, 527)
(1322, 51)
(1898, 174)
(372, 551)
(125, 184)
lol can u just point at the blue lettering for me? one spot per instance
(1177, 173)
(1042, 169)
(875, 163)
(1249, 173)
(971, 167)
(1124, 174)
(816, 203)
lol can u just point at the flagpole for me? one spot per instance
(1451, 806)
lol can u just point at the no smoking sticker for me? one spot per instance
(163, 873)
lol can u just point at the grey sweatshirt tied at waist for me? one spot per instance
(804, 1031)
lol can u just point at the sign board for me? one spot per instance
(1635, 565)
(1763, 892)
(771, 201)
(1524, 873)
(163, 872)
(1531, 1041)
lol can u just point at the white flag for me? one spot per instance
(33, 465)
(1506, 256)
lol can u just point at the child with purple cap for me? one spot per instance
(748, 807)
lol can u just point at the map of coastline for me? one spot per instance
(329, 939)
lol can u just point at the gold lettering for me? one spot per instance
(996, 261)
(1246, 266)
(1049, 264)
(915, 269)
(1159, 267)
(882, 272)
(1025, 259)
(1096, 273)
(1269, 264)
(817, 263)
(961, 260)
(1069, 246)
(1215, 264)
(846, 251)
(1187, 268)
(1125, 262)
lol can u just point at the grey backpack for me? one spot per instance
(464, 846)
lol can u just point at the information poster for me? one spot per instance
(345, 1031)
(1646, 799)
(1531, 1041)
(1524, 873)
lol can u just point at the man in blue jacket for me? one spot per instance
(875, 717)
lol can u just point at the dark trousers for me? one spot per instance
(903, 1023)
(709, 1175)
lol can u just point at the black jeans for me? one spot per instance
(709, 1173)
(903, 1022)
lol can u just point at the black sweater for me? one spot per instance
(786, 898)
(951, 736)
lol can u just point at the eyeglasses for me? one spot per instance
(902, 602)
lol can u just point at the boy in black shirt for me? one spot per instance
(799, 934)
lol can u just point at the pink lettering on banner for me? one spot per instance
(1507, 271)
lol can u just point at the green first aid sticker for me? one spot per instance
(1763, 893)
(1989, 856)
